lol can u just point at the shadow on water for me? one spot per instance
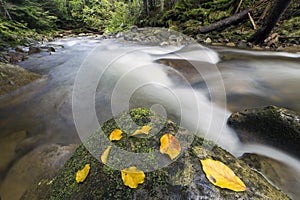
(193, 89)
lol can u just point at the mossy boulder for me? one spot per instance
(13, 77)
(181, 179)
(271, 125)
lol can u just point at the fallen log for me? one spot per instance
(225, 22)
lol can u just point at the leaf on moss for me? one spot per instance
(82, 174)
(132, 177)
(221, 175)
(143, 130)
(105, 154)
(115, 135)
(170, 145)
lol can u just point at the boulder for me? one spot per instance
(33, 169)
(182, 178)
(271, 125)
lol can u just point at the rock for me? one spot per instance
(271, 125)
(33, 49)
(280, 174)
(10, 143)
(230, 44)
(207, 40)
(51, 49)
(16, 75)
(120, 35)
(43, 163)
(133, 28)
(180, 179)
(217, 44)
(242, 45)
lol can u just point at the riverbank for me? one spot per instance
(13, 77)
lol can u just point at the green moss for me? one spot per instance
(181, 179)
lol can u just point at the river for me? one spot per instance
(89, 80)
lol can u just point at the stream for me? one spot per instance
(88, 80)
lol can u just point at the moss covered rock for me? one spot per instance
(271, 125)
(181, 179)
(13, 77)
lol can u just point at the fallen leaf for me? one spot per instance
(221, 175)
(169, 145)
(82, 174)
(115, 135)
(132, 177)
(143, 130)
(105, 154)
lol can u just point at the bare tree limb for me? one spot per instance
(252, 21)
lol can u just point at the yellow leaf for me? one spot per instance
(105, 154)
(221, 175)
(82, 174)
(132, 177)
(115, 135)
(169, 145)
(143, 130)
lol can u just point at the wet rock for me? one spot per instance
(280, 174)
(271, 125)
(181, 179)
(42, 163)
(51, 49)
(9, 143)
(34, 49)
(14, 74)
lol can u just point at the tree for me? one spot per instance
(270, 22)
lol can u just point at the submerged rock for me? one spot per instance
(180, 179)
(271, 125)
(279, 173)
(38, 166)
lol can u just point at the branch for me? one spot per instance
(225, 22)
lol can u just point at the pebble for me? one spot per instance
(208, 40)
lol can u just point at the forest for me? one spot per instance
(25, 20)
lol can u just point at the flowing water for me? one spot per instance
(89, 80)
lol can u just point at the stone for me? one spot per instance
(182, 178)
(242, 45)
(207, 40)
(230, 44)
(43, 163)
(34, 49)
(271, 125)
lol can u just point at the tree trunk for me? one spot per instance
(225, 22)
(270, 22)
(162, 5)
